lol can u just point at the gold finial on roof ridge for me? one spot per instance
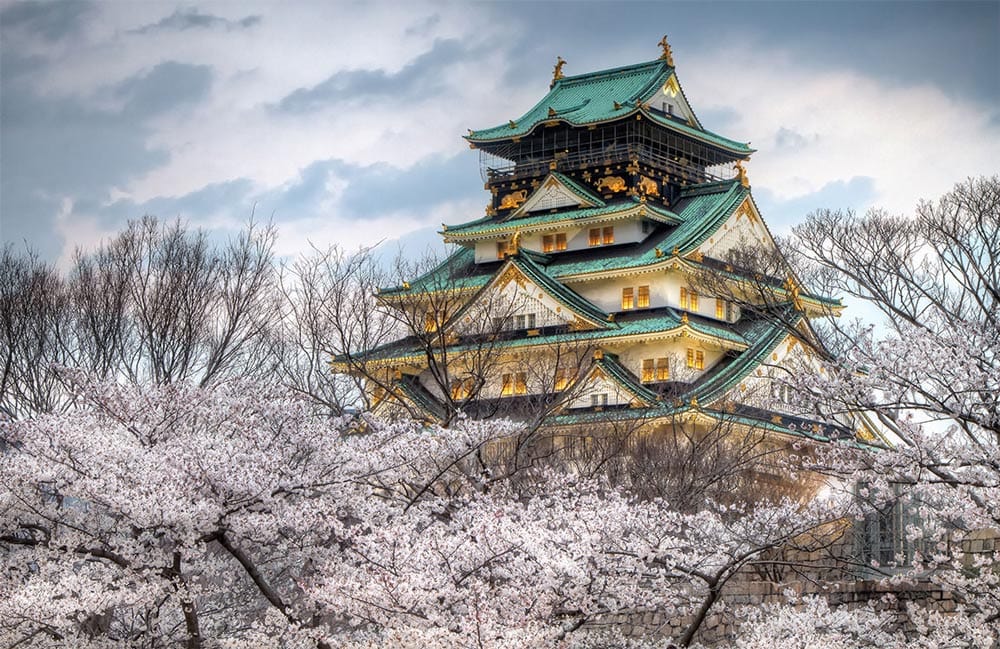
(557, 72)
(741, 174)
(515, 242)
(667, 55)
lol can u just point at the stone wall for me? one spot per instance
(819, 572)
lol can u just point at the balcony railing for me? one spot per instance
(493, 169)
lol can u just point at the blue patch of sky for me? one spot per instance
(856, 194)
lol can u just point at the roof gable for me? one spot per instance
(558, 191)
(670, 99)
(537, 290)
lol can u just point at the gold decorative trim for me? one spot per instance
(513, 199)
(741, 174)
(613, 184)
(557, 71)
(667, 55)
(648, 186)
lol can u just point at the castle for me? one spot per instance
(581, 297)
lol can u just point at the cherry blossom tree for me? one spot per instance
(927, 378)
(236, 516)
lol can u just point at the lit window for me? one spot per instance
(597, 400)
(507, 387)
(563, 376)
(648, 370)
(461, 389)
(720, 308)
(608, 235)
(561, 241)
(628, 299)
(689, 299)
(695, 359)
(595, 236)
(548, 243)
(430, 322)
(502, 249)
(643, 297)
(521, 383)
(662, 369)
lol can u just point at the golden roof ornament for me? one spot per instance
(515, 242)
(557, 72)
(741, 174)
(667, 55)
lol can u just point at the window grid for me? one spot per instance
(643, 302)
(662, 369)
(648, 370)
(520, 383)
(720, 308)
(695, 359)
(628, 298)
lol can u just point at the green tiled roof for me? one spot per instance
(626, 379)
(653, 321)
(488, 226)
(567, 296)
(701, 211)
(763, 336)
(417, 394)
(458, 271)
(591, 98)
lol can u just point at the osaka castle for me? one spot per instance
(599, 287)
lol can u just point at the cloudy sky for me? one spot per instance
(343, 122)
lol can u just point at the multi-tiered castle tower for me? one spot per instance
(576, 298)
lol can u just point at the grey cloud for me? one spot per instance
(181, 20)
(377, 189)
(786, 138)
(430, 182)
(50, 20)
(56, 148)
(164, 87)
(424, 75)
